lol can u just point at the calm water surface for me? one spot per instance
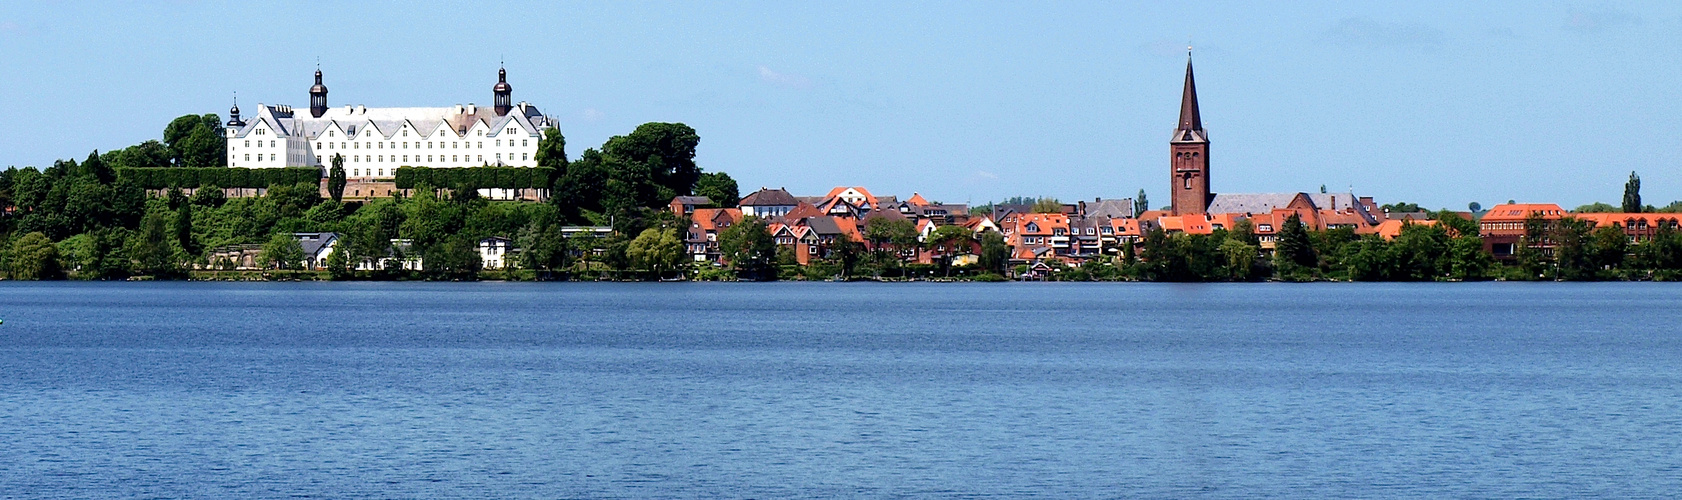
(332, 390)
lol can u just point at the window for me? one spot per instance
(455, 144)
(481, 133)
(510, 130)
(271, 144)
(318, 160)
(405, 145)
(260, 131)
(498, 143)
(1265, 227)
(428, 145)
(382, 145)
(522, 142)
(248, 144)
(355, 172)
(382, 172)
(356, 145)
(429, 158)
(481, 144)
(329, 133)
(405, 133)
(481, 158)
(405, 157)
(453, 158)
(247, 157)
(499, 157)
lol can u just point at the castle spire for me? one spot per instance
(318, 95)
(1190, 119)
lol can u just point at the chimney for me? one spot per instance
(472, 109)
(458, 109)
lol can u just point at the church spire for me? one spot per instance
(1190, 119)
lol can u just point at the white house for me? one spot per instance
(375, 141)
(317, 248)
(496, 252)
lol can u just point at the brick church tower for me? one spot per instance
(1190, 147)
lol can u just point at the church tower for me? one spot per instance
(318, 97)
(502, 94)
(1190, 148)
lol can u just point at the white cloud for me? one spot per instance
(789, 80)
(986, 175)
(1598, 21)
(592, 115)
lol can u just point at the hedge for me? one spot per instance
(475, 177)
(163, 178)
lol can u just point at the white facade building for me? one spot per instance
(375, 141)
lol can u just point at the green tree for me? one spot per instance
(665, 150)
(209, 197)
(34, 257)
(1047, 206)
(995, 252)
(184, 228)
(1573, 252)
(336, 178)
(950, 240)
(1141, 204)
(282, 251)
(897, 237)
(456, 257)
(552, 151)
(1240, 258)
(1293, 247)
(338, 262)
(151, 245)
(718, 187)
(749, 248)
(196, 141)
(96, 168)
(1632, 194)
(656, 250)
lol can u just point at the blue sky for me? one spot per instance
(1439, 103)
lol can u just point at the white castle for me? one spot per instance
(375, 141)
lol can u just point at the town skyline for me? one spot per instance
(1424, 104)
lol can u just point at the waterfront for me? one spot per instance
(849, 389)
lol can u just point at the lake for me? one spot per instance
(543, 390)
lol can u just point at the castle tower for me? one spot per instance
(1190, 151)
(318, 96)
(504, 93)
(233, 115)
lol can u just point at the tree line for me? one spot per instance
(94, 219)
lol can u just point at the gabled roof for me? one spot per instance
(692, 200)
(1108, 208)
(917, 199)
(389, 121)
(1254, 203)
(768, 197)
(1517, 212)
(314, 242)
